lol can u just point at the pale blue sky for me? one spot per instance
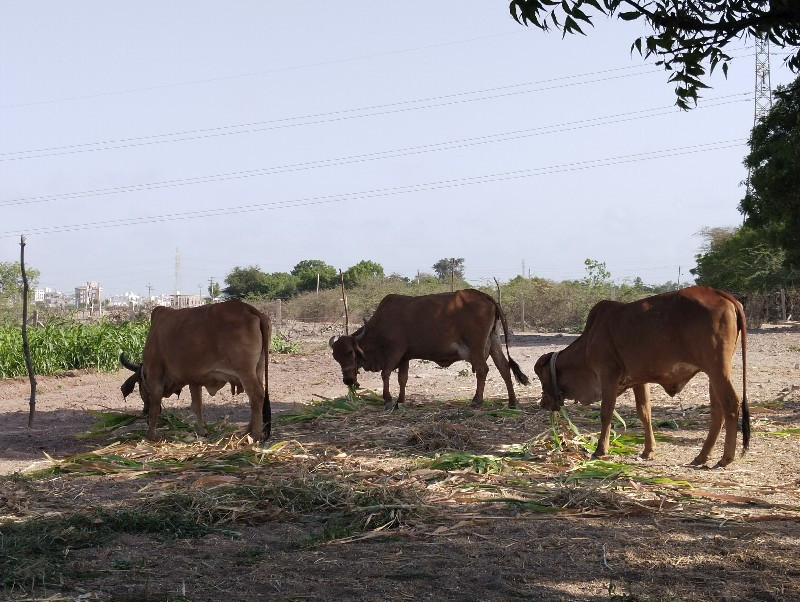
(266, 133)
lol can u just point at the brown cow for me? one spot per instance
(665, 339)
(207, 346)
(443, 328)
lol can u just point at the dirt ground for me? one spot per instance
(535, 527)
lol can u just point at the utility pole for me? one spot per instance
(452, 274)
(679, 278)
(149, 296)
(211, 288)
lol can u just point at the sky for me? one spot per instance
(264, 133)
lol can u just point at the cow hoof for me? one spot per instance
(512, 404)
(390, 405)
(600, 456)
(698, 461)
(722, 463)
(646, 455)
(476, 403)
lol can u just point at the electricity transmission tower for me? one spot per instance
(763, 92)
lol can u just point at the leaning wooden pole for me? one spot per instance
(344, 300)
(25, 348)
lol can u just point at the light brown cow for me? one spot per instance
(665, 339)
(443, 328)
(207, 346)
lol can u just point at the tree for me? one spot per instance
(772, 204)
(448, 267)
(361, 271)
(280, 285)
(687, 35)
(214, 290)
(596, 272)
(307, 272)
(11, 280)
(740, 259)
(245, 282)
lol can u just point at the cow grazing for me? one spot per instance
(665, 339)
(208, 346)
(443, 328)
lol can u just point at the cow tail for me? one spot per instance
(742, 324)
(518, 374)
(266, 411)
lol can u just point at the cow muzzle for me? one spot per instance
(548, 402)
(350, 377)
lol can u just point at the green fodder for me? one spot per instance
(62, 346)
(280, 344)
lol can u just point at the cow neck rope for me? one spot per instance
(553, 378)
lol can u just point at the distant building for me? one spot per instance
(50, 298)
(126, 299)
(88, 294)
(179, 301)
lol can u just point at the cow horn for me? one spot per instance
(363, 331)
(332, 340)
(128, 364)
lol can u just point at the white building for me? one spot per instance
(87, 295)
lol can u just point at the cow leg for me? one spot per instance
(255, 393)
(197, 407)
(713, 429)
(481, 369)
(402, 379)
(154, 412)
(499, 359)
(728, 406)
(642, 395)
(606, 412)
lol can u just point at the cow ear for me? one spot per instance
(127, 386)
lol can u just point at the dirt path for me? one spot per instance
(729, 534)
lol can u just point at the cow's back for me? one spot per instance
(411, 319)
(695, 327)
(189, 343)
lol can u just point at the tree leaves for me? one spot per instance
(687, 35)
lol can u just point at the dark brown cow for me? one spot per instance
(665, 339)
(443, 328)
(207, 346)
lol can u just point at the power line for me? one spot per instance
(385, 192)
(317, 118)
(380, 155)
(320, 118)
(256, 73)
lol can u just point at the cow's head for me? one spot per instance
(348, 353)
(546, 370)
(136, 378)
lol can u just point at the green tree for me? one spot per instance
(596, 273)
(245, 282)
(307, 272)
(687, 36)
(11, 280)
(448, 266)
(214, 290)
(280, 285)
(773, 203)
(742, 260)
(361, 271)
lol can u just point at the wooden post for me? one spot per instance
(783, 305)
(522, 303)
(25, 348)
(278, 313)
(344, 300)
(452, 274)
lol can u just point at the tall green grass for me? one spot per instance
(61, 346)
(58, 347)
